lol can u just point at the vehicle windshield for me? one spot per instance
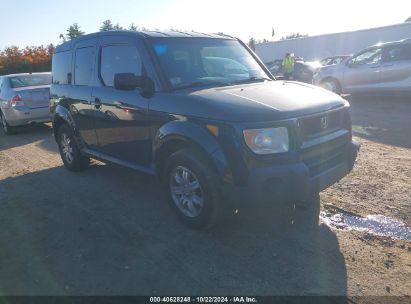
(30, 80)
(193, 62)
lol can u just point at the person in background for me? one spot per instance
(288, 66)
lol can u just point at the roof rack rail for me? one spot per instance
(225, 35)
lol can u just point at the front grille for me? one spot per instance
(325, 156)
(325, 161)
(322, 124)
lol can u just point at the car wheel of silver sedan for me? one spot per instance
(4, 125)
(331, 85)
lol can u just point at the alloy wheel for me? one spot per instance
(186, 191)
(66, 148)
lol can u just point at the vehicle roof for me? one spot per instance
(335, 56)
(141, 34)
(403, 41)
(25, 74)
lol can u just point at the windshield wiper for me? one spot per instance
(252, 79)
(198, 84)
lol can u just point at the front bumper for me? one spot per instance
(22, 115)
(292, 182)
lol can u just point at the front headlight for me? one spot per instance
(267, 141)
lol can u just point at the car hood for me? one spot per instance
(330, 68)
(265, 101)
(312, 65)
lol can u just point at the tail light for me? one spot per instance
(17, 101)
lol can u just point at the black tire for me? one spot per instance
(308, 213)
(331, 85)
(4, 125)
(66, 140)
(199, 168)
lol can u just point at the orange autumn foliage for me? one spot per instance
(30, 59)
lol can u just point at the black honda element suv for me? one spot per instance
(203, 114)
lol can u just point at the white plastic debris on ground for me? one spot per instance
(374, 224)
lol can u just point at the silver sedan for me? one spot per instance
(383, 68)
(24, 99)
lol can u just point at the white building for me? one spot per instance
(321, 46)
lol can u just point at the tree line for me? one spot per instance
(30, 59)
(38, 58)
(252, 42)
(74, 30)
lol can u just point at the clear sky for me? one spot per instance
(31, 22)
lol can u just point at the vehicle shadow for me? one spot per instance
(27, 135)
(108, 231)
(382, 119)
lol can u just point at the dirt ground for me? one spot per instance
(107, 230)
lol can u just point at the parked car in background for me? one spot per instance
(275, 67)
(203, 114)
(334, 60)
(382, 68)
(24, 99)
(304, 70)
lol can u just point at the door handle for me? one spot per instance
(388, 65)
(97, 103)
(374, 67)
(125, 108)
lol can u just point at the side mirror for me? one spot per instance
(126, 81)
(130, 82)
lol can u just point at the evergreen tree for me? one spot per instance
(74, 31)
(118, 27)
(132, 27)
(107, 26)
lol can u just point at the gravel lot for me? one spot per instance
(107, 231)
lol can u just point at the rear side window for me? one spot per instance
(118, 59)
(367, 57)
(398, 53)
(61, 67)
(2, 83)
(30, 80)
(83, 66)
